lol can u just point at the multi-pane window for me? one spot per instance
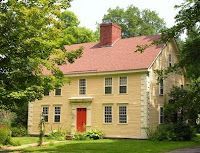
(161, 87)
(170, 60)
(122, 114)
(161, 115)
(123, 85)
(108, 85)
(108, 114)
(82, 86)
(45, 113)
(58, 91)
(57, 114)
(46, 92)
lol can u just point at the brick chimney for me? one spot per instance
(109, 34)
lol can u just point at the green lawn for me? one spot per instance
(111, 146)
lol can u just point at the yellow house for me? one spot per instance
(112, 88)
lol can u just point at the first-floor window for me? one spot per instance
(108, 114)
(161, 115)
(57, 114)
(45, 113)
(122, 114)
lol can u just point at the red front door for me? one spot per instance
(81, 119)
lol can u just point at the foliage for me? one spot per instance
(18, 131)
(5, 137)
(57, 135)
(80, 136)
(171, 132)
(135, 22)
(6, 117)
(94, 134)
(32, 39)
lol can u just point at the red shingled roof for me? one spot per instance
(121, 56)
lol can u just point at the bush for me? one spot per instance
(19, 131)
(171, 132)
(94, 134)
(80, 136)
(57, 135)
(5, 137)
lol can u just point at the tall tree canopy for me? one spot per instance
(135, 22)
(186, 101)
(32, 34)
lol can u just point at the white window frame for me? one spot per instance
(123, 84)
(60, 92)
(104, 114)
(161, 114)
(82, 86)
(161, 87)
(55, 114)
(45, 114)
(110, 85)
(122, 105)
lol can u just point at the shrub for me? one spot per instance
(4, 135)
(57, 135)
(19, 131)
(171, 132)
(94, 134)
(80, 136)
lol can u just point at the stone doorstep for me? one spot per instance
(9, 148)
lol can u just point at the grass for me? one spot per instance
(112, 146)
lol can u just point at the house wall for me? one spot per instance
(173, 79)
(135, 100)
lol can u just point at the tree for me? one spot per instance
(30, 42)
(135, 22)
(186, 101)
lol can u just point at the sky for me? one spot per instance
(90, 12)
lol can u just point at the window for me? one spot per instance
(108, 85)
(57, 114)
(170, 60)
(122, 114)
(45, 113)
(161, 115)
(123, 85)
(46, 92)
(82, 86)
(58, 91)
(108, 114)
(161, 87)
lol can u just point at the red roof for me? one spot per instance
(119, 57)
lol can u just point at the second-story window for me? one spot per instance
(58, 92)
(170, 60)
(82, 86)
(46, 92)
(161, 87)
(108, 85)
(123, 85)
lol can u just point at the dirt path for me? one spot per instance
(15, 148)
